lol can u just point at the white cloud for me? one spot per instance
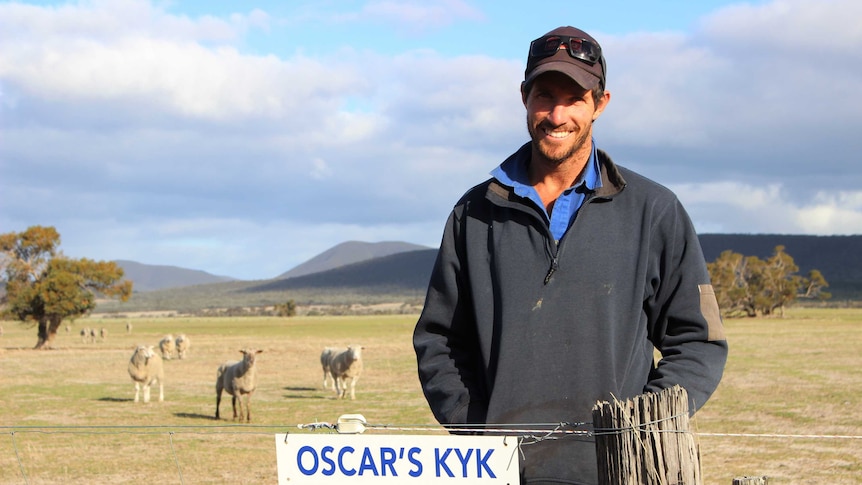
(147, 135)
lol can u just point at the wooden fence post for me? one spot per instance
(751, 481)
(646, 440)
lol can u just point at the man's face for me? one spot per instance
(560, 114)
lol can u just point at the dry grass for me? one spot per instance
(794, 376)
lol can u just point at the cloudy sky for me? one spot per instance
(243, 138)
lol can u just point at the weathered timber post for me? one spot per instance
(751, 481)
(646, 440)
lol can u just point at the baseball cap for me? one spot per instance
(570, 51)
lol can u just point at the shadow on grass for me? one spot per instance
(302, 393)
(115, 399)
(208, 417)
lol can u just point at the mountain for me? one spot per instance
(408, 270)
(148, 277)
(839, 258)
(404, 275)
(348, 253)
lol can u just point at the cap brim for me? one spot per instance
(584, 79)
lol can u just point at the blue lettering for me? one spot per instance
(411, 456)
(329, 468)
(387, 459)
(299, 454)
(464, 460)
(482, 463)
(367, 463)
(346, 471)
(440, 462)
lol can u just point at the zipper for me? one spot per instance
(551, 270)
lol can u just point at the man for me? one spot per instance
(558, 277)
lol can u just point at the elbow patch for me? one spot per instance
(709, 310)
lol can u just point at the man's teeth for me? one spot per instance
(557, 134)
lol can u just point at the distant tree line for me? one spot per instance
(749, 286)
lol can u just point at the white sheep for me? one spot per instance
(238, 380)
(345, 368)
(167, 347)
(93, 335)
(145, 368)
(129, 327)
(85, 334)
(103, 333)
(325, 361)
(182, 345)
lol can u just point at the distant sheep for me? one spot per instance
(93, 335)
(182, 345)
(129, 328)
(238, 380)
(167, 347)
(345, 368)
(85, 334)
(325, 360)
(145, 368)
(103, 333)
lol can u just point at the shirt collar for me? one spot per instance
(514, 173)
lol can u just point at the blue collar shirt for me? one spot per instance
(515, 173)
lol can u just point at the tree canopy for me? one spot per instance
(750, 286)
(44, 287)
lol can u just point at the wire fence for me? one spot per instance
(26, 460)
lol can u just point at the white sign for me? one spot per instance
(455, 459)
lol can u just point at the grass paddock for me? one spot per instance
(787, 408)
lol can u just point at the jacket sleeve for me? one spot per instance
(684, 320)
(445, 338)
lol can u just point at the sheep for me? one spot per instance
(85, 334)
(92, 335)
(325, 360)
(129, 327)
(167, 346)
(345, 368)
(145, 368)
(103, 333)
(182, 345)
(238, 380)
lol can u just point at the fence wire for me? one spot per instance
(526, 433)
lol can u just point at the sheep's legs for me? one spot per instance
(137, 391)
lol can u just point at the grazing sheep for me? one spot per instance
(85, 334)
(345, 368)
(129, 328)
(238, 380)
(68, 328)
(92, 335)
(325, 360)
(167, 347)
(145, 368)
(103, 333)
(182, 345)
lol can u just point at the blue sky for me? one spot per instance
(243, 138)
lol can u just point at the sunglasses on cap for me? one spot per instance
(577, 47)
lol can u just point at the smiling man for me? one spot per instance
(558, 277)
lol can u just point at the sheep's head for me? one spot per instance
(355, 351)
(249, 355)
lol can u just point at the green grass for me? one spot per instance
(794, 376)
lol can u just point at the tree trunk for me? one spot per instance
(48, 327)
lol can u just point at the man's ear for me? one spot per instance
(602, 104)
(524, 92)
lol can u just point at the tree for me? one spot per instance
(288, 309)
(750, 286)
(45, 287)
